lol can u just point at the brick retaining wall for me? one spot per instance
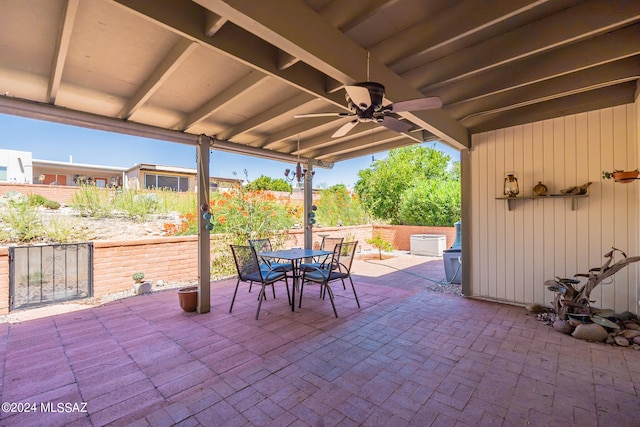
(4, 281)
(176, 258)
(60, 193)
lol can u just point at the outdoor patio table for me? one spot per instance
(294, 255)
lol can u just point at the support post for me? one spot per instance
(204, 235)
(465, 182)
(308, 201)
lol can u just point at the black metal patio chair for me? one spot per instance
(335, 268)
(249, 270)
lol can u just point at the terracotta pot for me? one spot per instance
(188, 298)
(625, 177)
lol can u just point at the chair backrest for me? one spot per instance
(346, 252)
(261, 245)
(246, 261)
(329, 243)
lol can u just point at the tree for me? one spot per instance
(337, 206)
(431, 202)
(267, 183)
(381, 186)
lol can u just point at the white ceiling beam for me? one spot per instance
(608, 74)
(62, 48)
(296, 28)
(51, 113)
(273, 113)
(593, 52)
(213, 23)
(176, 56)
(567, 105)
(346, 15)
(406, 49)
(369, 150)
(588, 20)
(249, 81)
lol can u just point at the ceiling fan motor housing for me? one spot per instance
(376, 91)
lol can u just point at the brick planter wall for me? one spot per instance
(176, 258)
(400, 234)
(60, 193)
(4, 281)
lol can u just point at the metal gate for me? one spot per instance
(49, 274)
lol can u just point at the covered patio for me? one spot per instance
(409, 357)
(548, 89)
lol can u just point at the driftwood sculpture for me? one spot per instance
(569, 300)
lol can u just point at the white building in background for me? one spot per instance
(16, 167)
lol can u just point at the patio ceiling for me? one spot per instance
(239, 71)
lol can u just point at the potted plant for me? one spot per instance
(140, 286)
(621, 176)
(188, 298)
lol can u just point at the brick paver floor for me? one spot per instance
(408, 357)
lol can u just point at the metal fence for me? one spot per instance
(49, 274)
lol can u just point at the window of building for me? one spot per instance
(53, 179)
(172, 182)
(3, 173)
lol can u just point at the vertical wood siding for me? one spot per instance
(514, 252)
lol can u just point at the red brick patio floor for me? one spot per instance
(407, 357)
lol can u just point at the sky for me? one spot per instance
(57, 142)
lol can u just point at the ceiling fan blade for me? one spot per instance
(416, 104)
(395, 124)
(344, 129)
(302, 116)
(359, 96)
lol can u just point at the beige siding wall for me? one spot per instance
(514, 252)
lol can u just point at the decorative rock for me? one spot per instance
(636, 340)
(630, 334)
(631, 325)
(160, 283)
(563, 326)
(590, 332)
(622, 341)
(574, 322)
(627, 315)
(536, 308)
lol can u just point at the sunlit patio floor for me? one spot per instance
(408, 357)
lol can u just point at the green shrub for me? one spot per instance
(92, 202)
(136, 205)
(37, 200)
(337, 207)
(63, 230)
(431, 202)
(51, 204)
(23, 220)
(378, 242)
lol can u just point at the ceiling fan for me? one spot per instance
(365, 99)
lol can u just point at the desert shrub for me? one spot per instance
(136, 205)
(92, 202)
(336, 206)
(36, 200)
(63, 230)
(23, 221)
(51, 204)
(378, 242)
